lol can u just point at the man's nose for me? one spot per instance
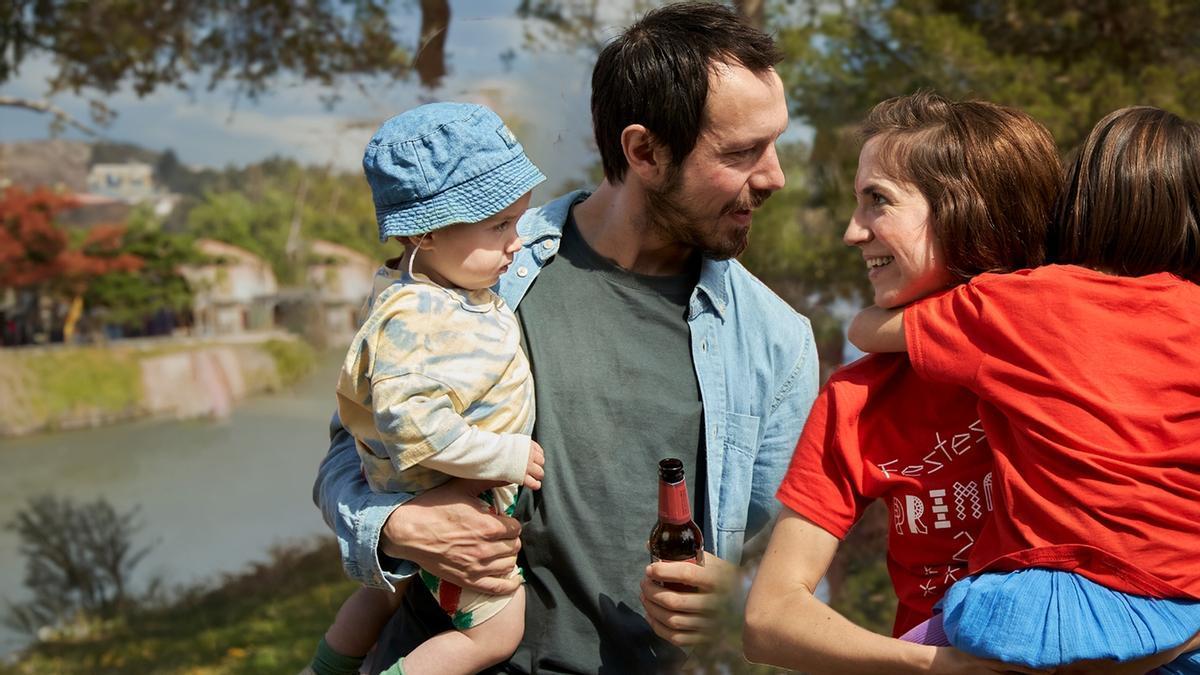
(768, 175)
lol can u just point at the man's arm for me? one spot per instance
(384, 536)
(876, 330)
(787, 626)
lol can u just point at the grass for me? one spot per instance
(79, 383)
(293, 359)
(267, 620)
(264, 620)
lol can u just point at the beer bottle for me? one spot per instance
(675, 536)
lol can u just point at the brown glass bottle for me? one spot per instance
(675, 536)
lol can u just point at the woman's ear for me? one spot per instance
(647, 158)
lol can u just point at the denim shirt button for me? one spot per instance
(522, 271)
(548, 244)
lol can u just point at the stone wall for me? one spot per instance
(53, 388)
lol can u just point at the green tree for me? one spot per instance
(99, 46)
(795, 247)
(129, 298)
(1066, 62)
(272, 208)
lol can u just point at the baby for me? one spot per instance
(435, 384)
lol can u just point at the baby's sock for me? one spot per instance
(329, 662)
(396, 669)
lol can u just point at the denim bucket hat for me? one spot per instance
(444, 163)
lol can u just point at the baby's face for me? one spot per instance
(474, 255)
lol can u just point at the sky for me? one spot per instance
(542, 94)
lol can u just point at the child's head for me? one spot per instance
(470, 255)
(450, 181)
(1132, 200)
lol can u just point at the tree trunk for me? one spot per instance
(430, 61)
(72, 319)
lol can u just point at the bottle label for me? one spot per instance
(693, 560)
(673, 504)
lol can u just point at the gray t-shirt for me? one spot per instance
(616, 391)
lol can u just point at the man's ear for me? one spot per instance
(647, 158)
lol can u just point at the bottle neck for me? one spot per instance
(673, 503)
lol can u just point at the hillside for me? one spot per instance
(49, 162)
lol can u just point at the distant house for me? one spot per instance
(131, 182)
(341, 278)
(234, 293)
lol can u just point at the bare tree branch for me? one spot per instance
(61, 116)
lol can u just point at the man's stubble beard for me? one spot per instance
(667, 214)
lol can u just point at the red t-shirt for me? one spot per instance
(1090, 395)
(879, 431)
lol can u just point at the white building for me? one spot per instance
(234, 293)
(342, 279)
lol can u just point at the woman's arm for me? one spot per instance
(877, 330)
(788, 627)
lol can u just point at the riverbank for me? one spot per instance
(66, 387)
(266, 619)
(263, 621)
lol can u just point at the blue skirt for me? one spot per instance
(1046, 618)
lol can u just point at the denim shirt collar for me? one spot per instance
(714, 285)
(541, 230)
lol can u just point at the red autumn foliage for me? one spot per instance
(35, 251)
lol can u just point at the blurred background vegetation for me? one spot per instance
(1066, 62)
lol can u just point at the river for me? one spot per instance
(213, 495)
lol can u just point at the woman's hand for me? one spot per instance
(683, 617)
(1138, 667)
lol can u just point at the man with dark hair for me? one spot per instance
(646, 341)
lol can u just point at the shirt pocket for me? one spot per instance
(741, 447)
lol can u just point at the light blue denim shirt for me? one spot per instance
(756, 362)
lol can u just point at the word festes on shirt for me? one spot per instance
(944, 452)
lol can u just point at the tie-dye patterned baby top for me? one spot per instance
(435, 386)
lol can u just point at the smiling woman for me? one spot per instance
(948, 191)
(891, 227)
(945, 191)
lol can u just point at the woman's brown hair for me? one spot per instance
(991, 175)
(1131, 205)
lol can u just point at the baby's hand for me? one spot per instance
(534, 473)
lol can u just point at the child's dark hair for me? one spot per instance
(1132, 200)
